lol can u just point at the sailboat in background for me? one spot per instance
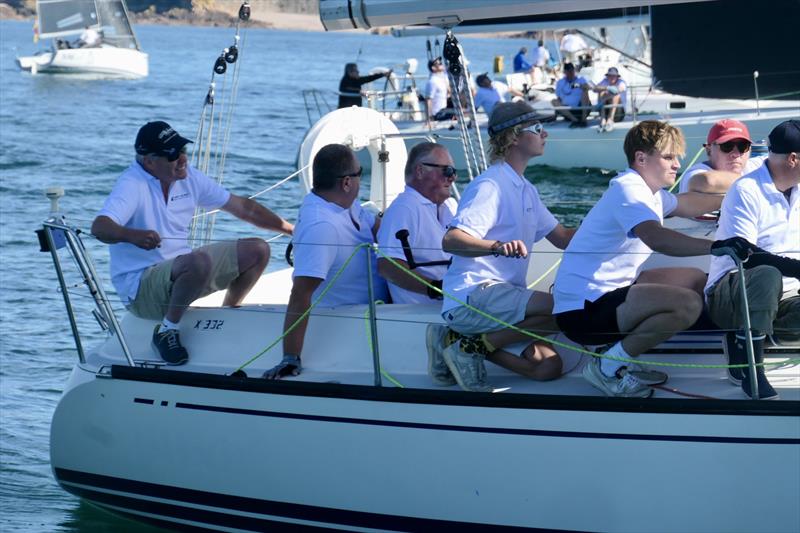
(117, 54)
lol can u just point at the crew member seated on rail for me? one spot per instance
(413, 226)
(728, 148)
(330, 225)
(146, 220)
(572, 93)
(602, 294)
(611, 99)
(764, 208)
(499, 218)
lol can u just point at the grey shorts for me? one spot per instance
(155, 287)
(498, 299)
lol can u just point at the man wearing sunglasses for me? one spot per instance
(728, 151)
(500, 216)
(330, 225)
(762, 207)
(146, 220)
(413, 226)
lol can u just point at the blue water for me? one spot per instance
(78, 134)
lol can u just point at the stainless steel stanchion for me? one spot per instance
(373, 323)
(751, 358)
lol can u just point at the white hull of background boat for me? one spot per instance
(104, 60)
(585, 147)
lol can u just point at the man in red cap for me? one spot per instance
(763, 208)
(728, 150)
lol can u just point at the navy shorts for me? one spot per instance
(596, 323)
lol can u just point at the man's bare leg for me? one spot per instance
(689, 278)
(189, 275)
(653, 313)
(253, 256)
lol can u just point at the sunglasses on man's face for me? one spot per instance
(536, 129)
(447, 170)
(356, 174)
(742, 145)
(174, 156)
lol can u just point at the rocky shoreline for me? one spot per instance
(178, 16)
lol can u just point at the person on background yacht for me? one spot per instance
(728, 147)
(436, 91)
(420, 214)
(572, 46)
(90, 38)
(490, 93)
(330, 225)
(146, 220)
(499, 218)
(521, 63)
(572, 93)
(540, 57)
(351, 82)
(611, 99)
(764, 208)
(603, 296)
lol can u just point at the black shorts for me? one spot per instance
(596, 323)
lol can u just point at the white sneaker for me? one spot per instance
(646, 375)
(625, 387)
(610, 126)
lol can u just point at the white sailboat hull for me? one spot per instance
(237, 455)
(104, 60)
(585, 147)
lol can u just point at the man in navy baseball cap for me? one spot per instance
(785, 137)
(146, 220)
(158, 138)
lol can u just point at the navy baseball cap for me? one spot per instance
(158, 138)
(785, 137)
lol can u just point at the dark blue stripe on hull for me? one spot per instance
(229, 505)
(491, 430)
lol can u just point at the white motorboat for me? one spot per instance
(363, 441)
(116, 55)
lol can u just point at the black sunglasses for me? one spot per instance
(176, 154)
(447, 170)
(742, 145)
(356, 174)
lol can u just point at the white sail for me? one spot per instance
(59, 18)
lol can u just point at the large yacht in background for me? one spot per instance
(116, 54)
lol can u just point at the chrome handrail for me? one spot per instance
(71, 239)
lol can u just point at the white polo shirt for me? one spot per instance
(136, 201)
(324, 238)
(756, 210)
(426, 224)
(752, 164)
(488, 97)
(499, 205)
(436, 91)
(605, 254)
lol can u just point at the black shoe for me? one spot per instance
(582, 124)
(573, 125)
(168, 344)
(736, 354)
(765, 390)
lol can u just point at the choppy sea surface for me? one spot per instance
(78, 134)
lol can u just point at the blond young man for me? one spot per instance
(500, 216)
(603, 296)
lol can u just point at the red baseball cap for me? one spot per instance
(726, 130)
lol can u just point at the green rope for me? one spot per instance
(307, 311)
(561, 344)
(677, 181)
